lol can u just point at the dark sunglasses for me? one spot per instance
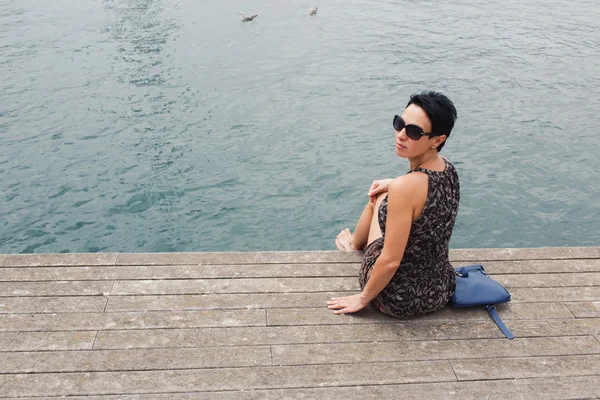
(413, 132)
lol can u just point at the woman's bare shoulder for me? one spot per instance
(409, 190)
(409, 182)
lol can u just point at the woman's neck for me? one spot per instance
(423, 158)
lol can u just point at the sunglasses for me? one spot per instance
(413, 132)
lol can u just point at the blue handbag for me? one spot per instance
(475, 288)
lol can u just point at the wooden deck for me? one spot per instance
(255, 326)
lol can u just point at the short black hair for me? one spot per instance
(439, 109)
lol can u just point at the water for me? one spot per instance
(169, 125)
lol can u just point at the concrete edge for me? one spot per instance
(56, 260)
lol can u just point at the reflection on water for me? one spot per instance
(141, 31)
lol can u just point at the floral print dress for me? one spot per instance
(424, 281)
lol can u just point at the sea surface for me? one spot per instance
(170, 125)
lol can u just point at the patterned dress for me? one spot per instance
(425, 280)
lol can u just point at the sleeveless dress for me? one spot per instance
(425, 280)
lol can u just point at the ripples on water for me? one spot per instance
(162, 125)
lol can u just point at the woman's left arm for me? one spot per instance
(401, 204)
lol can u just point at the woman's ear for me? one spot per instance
(437, 140)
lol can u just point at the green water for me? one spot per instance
(169, 125)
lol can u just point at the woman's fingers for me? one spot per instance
(373, 189)
(344, 305)
(335, 303)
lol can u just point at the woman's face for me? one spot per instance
(408, 148)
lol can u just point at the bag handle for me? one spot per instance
(492, 310)
(464, 271)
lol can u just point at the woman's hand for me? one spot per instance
(378, 186)
(349, 304)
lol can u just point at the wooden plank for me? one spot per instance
(549, 280)
(523, 389)
(281, 257)
(37, 341)
(256, 336)
(77, 273)
(309, 300)
(590, 309)
(255, 285)
(134, 360)
(541, 253)
(539, 266)
(324, 284)
(62, 288)
(66, 384)
(289, 300)
(31, 260)
(530, 367)
(258, 285)
(52, 304)
(324, 316)
(540, 295)
(555, 327)
(219, 301)
(332, 353)
(41, 273)
(129, 320)
(265, 257)
(284, 257)
(403, 330)
(265, 270)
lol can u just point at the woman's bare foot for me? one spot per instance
(343, 241)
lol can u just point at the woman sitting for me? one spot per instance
(405, 271)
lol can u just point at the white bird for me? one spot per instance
(246, 19)
(313, 10)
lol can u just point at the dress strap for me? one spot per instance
(419, 169)
(430, 172)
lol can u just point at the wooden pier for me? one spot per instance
(255, 326)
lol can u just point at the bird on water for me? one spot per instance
(246, 19)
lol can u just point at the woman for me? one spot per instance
(405, 271)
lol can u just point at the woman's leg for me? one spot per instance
(374, 230)
(349, 242)
(367, 229)
(361, 232)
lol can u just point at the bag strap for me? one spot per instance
(492, 310)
